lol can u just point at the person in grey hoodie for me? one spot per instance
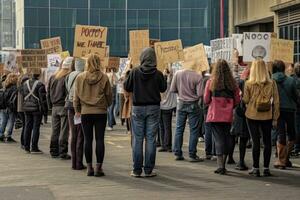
(77, 138)
(146, 83)
(288, 106)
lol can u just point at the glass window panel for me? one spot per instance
(55, 18)
(77, 3)
(36, 3)
(169, 34)
(69, 39)
(31, 18)
(118, 4)
(120, 18)
(43, 17)
(154, 33)
(68, 17)
(99, 3)
(169, 18)
(132, 19)
(117, 45)
(194, 3)
(153, 18)
(59, 3)
(95, 17)
(34, 35)
(82, 16)
(143, 4)
(107, 18)
(169, 3)
(143, 19)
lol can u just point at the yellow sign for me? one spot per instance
(282, 50)
(64, 54)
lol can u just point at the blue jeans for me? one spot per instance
(145, 124)
(191, 111)
(7, 122)
(111, 114)
(209, 140)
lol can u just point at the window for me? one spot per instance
(119, 4)
(154, 18)
(143, 19)
(99, 3)
(77, 3)
(132, 19)
(169, 18)
(36, 3)
(107, 18)
(82, 16)
(94, 17)
(120, 18)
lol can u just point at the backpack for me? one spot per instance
(2, 99)
(264, 100)
(12, 101)
(31, 93)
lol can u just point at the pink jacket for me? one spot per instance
(221, 104)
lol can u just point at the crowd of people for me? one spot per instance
(261, 105)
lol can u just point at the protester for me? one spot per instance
(288, 106)
(120, 97)
(187, 84)
(146, 83)
(262, 111)
(92, 97)
(77, 137)
(35, 107)
(239, 126)
(167, 106)
(127, 106)
(297, 78)
(8, 115)
(222, 95)
(113, 83)
(56, 96)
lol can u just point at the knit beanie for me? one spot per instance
(67, 63)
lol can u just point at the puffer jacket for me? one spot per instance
(37, 103)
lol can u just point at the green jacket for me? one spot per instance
(287, 90)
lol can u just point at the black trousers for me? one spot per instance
(22, 118)
(222, 137)
(165, 128)
(256, 129)
(286, 127)
(90, 122)
(32, 130)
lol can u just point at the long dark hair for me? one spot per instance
(222, 77)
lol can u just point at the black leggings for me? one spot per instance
(265, 126)
(89, 122)
(242, 148)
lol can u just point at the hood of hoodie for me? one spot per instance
(79, 64)
(279, 77)
(94, 77)
(148, 63)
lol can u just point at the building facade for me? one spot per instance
(279, 16)
(193, 21)
(7, 24)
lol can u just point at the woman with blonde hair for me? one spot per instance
(92, 97)
(9, 113)
(56, 96)
(262, 102)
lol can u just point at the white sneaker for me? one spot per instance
(109, 128)
(201, 139)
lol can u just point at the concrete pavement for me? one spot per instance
(38, 177)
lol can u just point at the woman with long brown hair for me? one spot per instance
(221, 95)
(92, 97)
(56, 95)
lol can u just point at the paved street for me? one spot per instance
(38, 177)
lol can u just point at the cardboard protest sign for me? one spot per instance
(221, 49)
(257, 44)
(54, 60)
(153, 41)
(139, 40)
(105, 59)
(52, 45)
(168, 52)
(1, 68)
(195, 58)
(207, 51)
(33, 58)
(10, 61)
(89, 39)
(238, 42)
(114, 62)
(282, 50)
(64, 54)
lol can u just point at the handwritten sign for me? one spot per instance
(221, 49)
(139, 40)
(168, 52)
(10, 60)
(195, 58)
(54, 60)
(114, 62)
(282, 50)
(90, 39)
(257, 44)
(64, 54)
(52, 45)
(153, 41)
(33, 58)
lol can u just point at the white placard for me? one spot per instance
(54, 60)
(222, 49)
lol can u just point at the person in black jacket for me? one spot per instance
(35, 107)
(9, 113)
(146, 83)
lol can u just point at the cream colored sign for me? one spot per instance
(139, 40)
(195, 58)
(168, 52)
(53, 45)
(90, 39)
(282, 50)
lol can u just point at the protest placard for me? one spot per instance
(52, 45)
(123, 62)
(33, 58)
(89, 39)
(153, 41)
(195, 58)
(139, 40)
(64, 54)
(256, 44)
(221, 49)
(54, 60)
(207, 51)
(282, 50)
(168, 52)
(114, 62)
(238, 42)
(9, 59)
(1, 68)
